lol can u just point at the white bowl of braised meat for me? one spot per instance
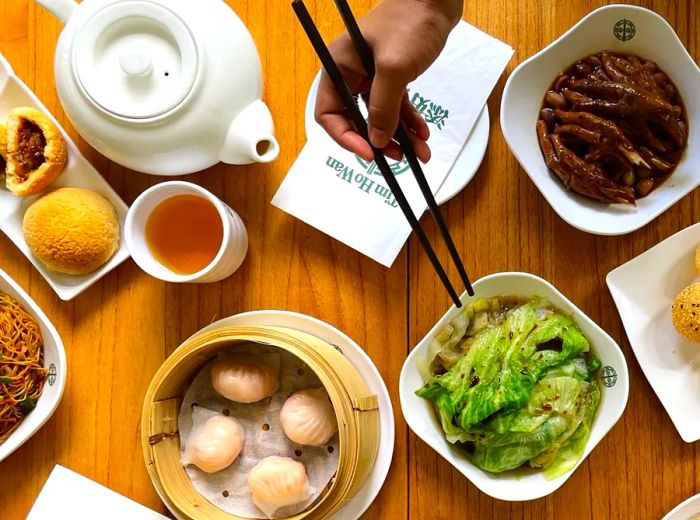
(604, 120)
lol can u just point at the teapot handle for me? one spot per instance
(61, 9)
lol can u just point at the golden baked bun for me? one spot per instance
(36, 151)
(72, 230)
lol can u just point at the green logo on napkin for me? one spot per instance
(624, 30)
(432, 112)
(397, 167)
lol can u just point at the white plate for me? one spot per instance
(647, 35)
(54, 360)
(465, 166)
(79, 173)
(687, 510)
(421, 417)
(644, 290)
(364, 497)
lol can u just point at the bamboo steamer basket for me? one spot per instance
(357, 412)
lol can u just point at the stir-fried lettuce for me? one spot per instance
(516, 382)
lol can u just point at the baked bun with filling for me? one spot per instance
(36, 151)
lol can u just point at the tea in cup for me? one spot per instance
(180, 232)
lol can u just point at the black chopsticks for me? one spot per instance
(401, 136)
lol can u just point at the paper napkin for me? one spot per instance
(69, 496)
(346, 197)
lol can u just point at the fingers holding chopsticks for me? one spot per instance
(391, 30)
(418, 131)
(330, 114)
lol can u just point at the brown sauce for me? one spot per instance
(31, 144)
(623, 120)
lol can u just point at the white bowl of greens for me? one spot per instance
(517, 387)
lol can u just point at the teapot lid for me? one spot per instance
(135, 59)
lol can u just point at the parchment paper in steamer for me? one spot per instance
(321, 462)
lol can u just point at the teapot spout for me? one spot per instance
(61, 9)
(251, 137)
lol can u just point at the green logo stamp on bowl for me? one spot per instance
(51, 379)
(624, 30)
(609, 376)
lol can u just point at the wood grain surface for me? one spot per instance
(118, 332)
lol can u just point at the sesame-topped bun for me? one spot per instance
(686, 312)
(72, 230)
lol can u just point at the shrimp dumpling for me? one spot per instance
(243, 379)
(308, 418)
(214, 441)
(277, 482)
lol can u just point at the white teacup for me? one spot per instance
(234, 244)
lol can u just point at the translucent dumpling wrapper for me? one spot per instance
(214, 441)
(278, 482)
(308, 418)
(244, 378)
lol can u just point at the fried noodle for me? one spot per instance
(22, 373)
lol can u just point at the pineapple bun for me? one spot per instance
(72, 230)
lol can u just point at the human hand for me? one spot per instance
(405, 36)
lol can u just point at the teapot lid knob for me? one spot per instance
(135, 59)
(135, 63)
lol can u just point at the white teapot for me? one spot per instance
(166, 87)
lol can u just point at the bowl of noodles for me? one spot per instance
(32, 367)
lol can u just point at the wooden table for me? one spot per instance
(118, 332)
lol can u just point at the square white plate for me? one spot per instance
(79, 173)
(644, 290)
(647, 35)
(513, 486)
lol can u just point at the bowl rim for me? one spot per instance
(510, 138)
(686, 507)
(14, 442)
(569, 306)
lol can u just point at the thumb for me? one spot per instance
(384, 105)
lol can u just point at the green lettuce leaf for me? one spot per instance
(535, 431)
(570, 453)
